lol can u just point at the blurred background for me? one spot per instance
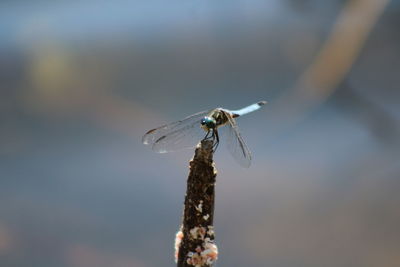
(82, 81)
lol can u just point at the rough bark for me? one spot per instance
(196, 246)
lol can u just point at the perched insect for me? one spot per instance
(186, 133)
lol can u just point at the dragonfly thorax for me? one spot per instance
(220, 116)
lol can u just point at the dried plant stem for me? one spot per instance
(195, 240)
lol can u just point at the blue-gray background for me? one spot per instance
(81, 81)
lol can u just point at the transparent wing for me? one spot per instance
(236, 146)
(178, 135)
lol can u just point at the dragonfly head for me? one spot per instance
(208, 123)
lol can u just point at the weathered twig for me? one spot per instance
(194, 244)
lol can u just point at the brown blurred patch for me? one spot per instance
(7, 239)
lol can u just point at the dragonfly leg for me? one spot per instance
(207, 136)
(213, 134)
(215, 139)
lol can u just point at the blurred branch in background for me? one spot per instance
(333, 62)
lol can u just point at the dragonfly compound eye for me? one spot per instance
(207, 123)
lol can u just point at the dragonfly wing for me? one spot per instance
(178, 135)
(236, 146)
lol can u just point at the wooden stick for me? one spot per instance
(194, 244)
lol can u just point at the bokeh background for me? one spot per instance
(82, 81)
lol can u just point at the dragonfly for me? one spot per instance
(203, 125)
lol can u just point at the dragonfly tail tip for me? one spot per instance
(262, 103)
